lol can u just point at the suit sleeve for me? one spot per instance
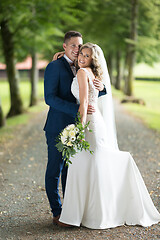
(51, 81)
(103, 92)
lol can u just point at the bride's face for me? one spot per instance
(85, 58)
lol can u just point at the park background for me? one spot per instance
(127, 31)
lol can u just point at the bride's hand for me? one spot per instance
(58, 55)
(98, 84)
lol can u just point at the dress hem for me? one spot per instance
(107, 227)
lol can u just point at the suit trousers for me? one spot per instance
(55, 168)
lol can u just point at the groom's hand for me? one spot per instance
(90, 109)
(98, 84)
(58, 55)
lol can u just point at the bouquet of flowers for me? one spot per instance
(72, 140)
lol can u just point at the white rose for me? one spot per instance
(70, 127)
(69, 144)
(63, 139)
(72, 133)
(65, 133)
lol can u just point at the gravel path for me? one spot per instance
(24, 209)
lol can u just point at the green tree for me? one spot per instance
(7, 36)
(39, 25)
(31, 26)
(45, 24)
(131, 50)
(110, 24)
(143, 44)
(148, 47)
(124, 36)
(2, 119)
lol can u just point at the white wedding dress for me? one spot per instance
(104, 190)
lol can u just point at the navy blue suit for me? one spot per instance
(62, 111)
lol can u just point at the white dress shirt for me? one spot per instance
(70, 62)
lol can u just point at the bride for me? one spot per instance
(103, 190)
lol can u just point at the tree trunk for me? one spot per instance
(34, 80)
(118, 68)
(2, 120)
(125, 73)
(8, 49)
(110, 67)
(131, 48)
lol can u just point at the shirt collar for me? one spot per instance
(67, 58)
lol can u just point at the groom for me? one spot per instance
(62, 111)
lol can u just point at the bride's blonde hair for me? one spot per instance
(95, 64)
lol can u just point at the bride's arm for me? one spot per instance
(83, 94)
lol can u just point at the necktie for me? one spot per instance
(73, 68)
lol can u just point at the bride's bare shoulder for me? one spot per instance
(82, 75)
(81, 72)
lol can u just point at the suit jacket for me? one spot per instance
(63, 108)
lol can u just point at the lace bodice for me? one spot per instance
(92, 93)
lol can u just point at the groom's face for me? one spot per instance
(72, 47)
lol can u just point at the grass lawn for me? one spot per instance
(24, 91)
(7, 131)
(149, 91)
(144, 70)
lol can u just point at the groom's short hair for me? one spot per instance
(71, 34)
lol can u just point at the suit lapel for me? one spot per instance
(67, 66)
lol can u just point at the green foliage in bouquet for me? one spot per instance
(72, 140)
